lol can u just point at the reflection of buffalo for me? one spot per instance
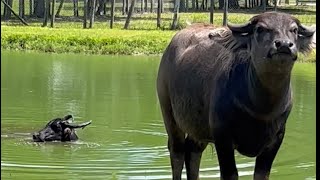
(230, 86)
(59, 129)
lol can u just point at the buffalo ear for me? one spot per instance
(306, 38)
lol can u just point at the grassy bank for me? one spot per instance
(143, 38)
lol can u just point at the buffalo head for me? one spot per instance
(59, 129)
(273, 40)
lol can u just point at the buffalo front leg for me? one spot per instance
(265, 159)
(225, 152)
(193, 153)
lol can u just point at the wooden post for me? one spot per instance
(52, 13)
(85, 13)
(112, 13)
(225, 12)
(211, 11)
(159, 14)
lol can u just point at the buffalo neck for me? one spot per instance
(268, 93)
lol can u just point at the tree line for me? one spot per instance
(46, 8)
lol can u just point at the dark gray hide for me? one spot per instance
(59, 129)
(229, 86)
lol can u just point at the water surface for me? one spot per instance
(126, 139)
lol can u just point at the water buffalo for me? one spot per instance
(59, 129)
(230, 86)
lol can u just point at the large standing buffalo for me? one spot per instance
(230, 86)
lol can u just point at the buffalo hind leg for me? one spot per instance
(265, 159)
(193, 155)
(176, 138)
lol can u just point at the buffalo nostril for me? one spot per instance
(277, 43)
(290, 44)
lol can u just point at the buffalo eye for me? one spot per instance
(260, 29)
(294, 30)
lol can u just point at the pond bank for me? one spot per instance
(92, 41)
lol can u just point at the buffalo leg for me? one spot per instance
(225, 152)
(176, 138)
(265, 159)
(193, 157)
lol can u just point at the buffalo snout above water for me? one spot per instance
(230, 86)
(59, 129)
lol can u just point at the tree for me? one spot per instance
(159, 14)
(126, 25)
(112, 13)
(175, 15)
(60, 7)
(21, 8)
(39, 8)
(231, 4)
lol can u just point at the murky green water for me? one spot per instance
(126, 139)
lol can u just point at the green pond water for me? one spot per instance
(126, 139)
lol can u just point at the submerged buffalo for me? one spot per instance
(59, 129)
(230, 86)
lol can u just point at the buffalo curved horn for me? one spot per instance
(240, 28)
(69, 118)
(306, 31)
(82, 125)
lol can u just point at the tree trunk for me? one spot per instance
(104, 7)
(15, 14)
(75, 8)
(21, 8)
(187, 6)
(52, 13)
(123, 7)
(175, 15)
(46, 13)
(85, 13)
(193, 2)
(197, 4)
(8, 11)
(225, 12)
(141, 8)
(92, 13)
(127, 6)
(112, 13)
(39, 8)
(151, 6)
(145, 5)
(159, 14)
(59, 8)
(126, 25)
(162, 6)
(30, 7)
(211, 11)
(182, 6)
